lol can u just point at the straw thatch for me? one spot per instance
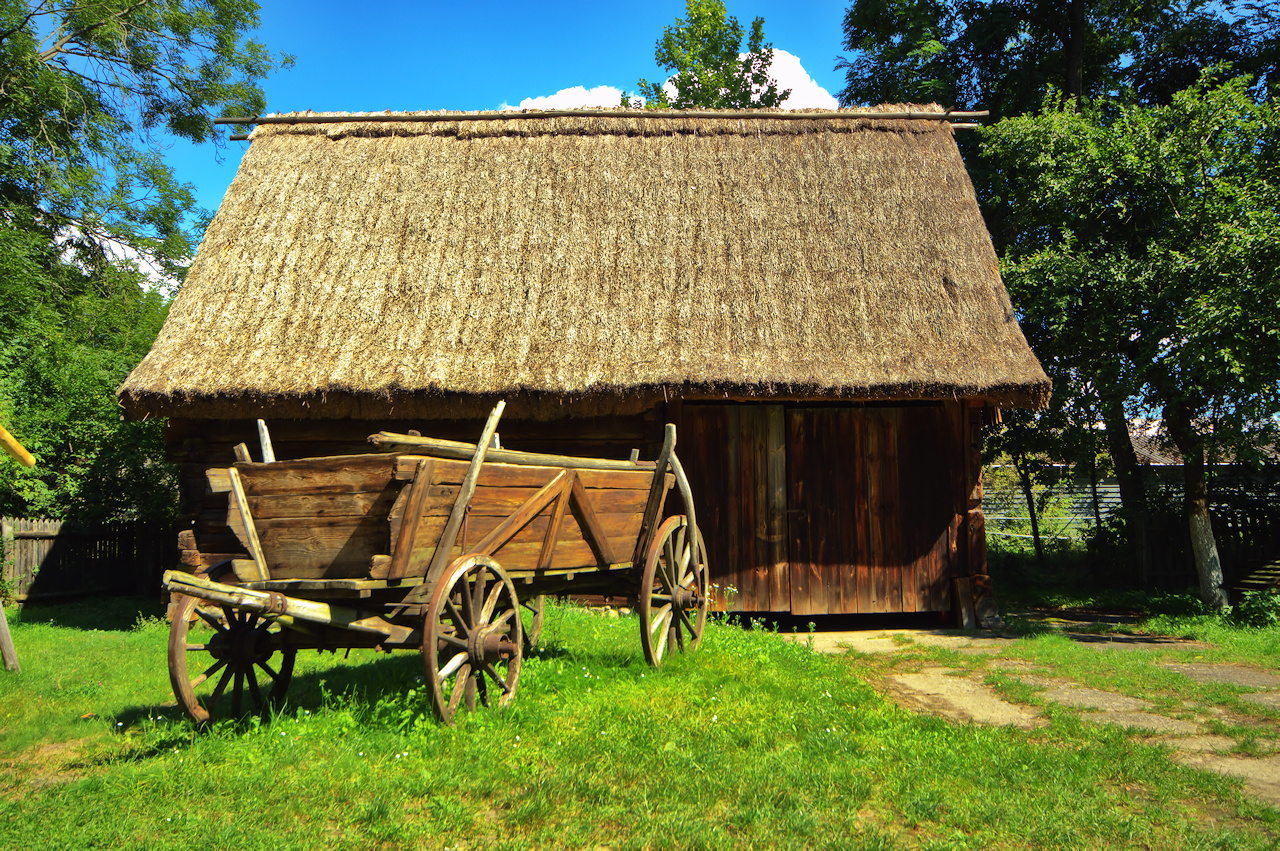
(376, 268)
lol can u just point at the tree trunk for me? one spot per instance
(1073, 49)
(1093, 484)
(1204, 547)
(1133, 492)
(1024, 477)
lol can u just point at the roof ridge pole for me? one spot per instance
(512, 115)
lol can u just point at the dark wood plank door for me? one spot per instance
(735, 456)
(873, 494)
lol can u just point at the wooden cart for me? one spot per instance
(434, 546)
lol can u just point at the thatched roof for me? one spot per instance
(376, 268)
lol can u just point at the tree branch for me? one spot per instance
(79, 36)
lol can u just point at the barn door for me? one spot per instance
(735, 456)
(872, 502)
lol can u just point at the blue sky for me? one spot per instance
(484, 55)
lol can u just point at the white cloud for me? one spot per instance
(577, 97)
(805, 92)
(121, 254)
(786, 69)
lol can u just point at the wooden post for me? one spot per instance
(440, 559)
(10, 656)
(246, 518)
(966, 617)
(419, 488)
(6, 646)
(976, 554)
(8, 555)
(657, 490)
(264, 437)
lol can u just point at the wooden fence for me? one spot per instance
(52, 559)
(1244, 506)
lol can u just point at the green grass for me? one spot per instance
(751, 742)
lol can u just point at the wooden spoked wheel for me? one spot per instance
(230, 671)
(472, 640)
(673, 597)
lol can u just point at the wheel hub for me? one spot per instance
(244, 647)
(686, 598)
(490, 645)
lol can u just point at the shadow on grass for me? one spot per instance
(102, 613)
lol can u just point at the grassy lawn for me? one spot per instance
(750, 742)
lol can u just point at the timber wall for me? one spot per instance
(838, 508)
(806, 508)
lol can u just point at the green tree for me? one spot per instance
(703, 51)
(95, 229)
(1003, 54)
(1146, 254)
(85, 86)
(72, 337)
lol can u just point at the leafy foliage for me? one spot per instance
(83, 86)
(1257, 609)
(1003, 54)
(703, 50)
(96, 230)
(1142, 244)
(72, 340)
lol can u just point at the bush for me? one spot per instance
(1258, 609)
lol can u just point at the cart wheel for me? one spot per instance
(673, 600)
(536, 607)
(240, 651)
(472, 641)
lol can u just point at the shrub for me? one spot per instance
(1257, 609)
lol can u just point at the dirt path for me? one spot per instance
(960, 694)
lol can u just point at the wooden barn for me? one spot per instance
(811, 297)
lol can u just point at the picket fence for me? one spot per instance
(53, 559)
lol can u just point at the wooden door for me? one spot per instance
(874, 495)
(735, 456)
(831, 510)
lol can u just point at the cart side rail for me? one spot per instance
(436, 447)
(528, 518)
